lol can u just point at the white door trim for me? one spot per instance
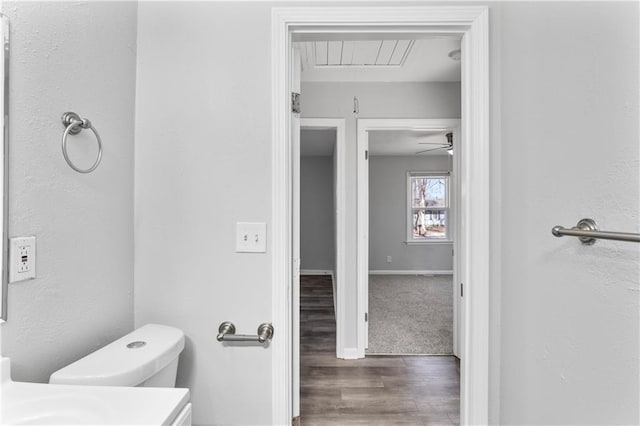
(472, 22)
(364, 126)
(340, 216)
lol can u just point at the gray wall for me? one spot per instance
(570, 313)
(564, 318)
(77, 56)
(317, 213)
(388, 216)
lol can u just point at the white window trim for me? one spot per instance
(428, 242)
(409, 209)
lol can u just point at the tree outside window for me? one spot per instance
(428, 206)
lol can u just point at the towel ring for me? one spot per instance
(74, 125)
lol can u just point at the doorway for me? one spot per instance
(336, 127)
(380, 389)
(408, 134)
(318, 241)
(471, 23)
(415, 251)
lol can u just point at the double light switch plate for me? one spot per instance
(251, 237)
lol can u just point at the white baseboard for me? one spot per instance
(350, 353)
(410, 272)
(315, 272)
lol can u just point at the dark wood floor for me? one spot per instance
(377, 390)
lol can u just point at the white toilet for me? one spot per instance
(146, 357)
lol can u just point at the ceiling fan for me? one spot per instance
(448, 145)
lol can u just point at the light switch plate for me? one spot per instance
(251, 237)
(22, 259)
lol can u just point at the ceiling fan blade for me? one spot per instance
(432, 149)
(433, 143)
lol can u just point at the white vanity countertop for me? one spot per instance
(45, 404)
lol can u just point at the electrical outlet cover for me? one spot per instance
(22, 259)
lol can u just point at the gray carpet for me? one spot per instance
(410, 314)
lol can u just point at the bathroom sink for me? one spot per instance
(56, 418)
(46, 404)
(51, 407)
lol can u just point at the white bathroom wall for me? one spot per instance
(570, 149)
(564, 87)
(388, 216)
(77, 56)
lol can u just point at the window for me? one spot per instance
(428, 207)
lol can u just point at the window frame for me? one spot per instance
(410, 239)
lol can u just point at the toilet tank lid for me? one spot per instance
(128, 361)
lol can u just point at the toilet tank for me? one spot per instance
(147, 356)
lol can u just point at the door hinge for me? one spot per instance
(295, 102)
(461, 290)
(366, 317)
(366, 154)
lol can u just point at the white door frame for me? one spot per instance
(472, 23)
(364, 126)
(340, 218)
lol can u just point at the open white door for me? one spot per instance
(365, 241)
(458, 265)
(295, 247)
(362, 142)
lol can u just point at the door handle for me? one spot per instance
(227, 333)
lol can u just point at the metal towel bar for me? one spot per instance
(227, 333)
(587, 231)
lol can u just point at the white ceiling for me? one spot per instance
(406, 142)
(343, 53)
(389, 60)
(317, 142)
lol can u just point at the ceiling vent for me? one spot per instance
(363, 53)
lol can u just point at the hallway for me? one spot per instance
(377, 390)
